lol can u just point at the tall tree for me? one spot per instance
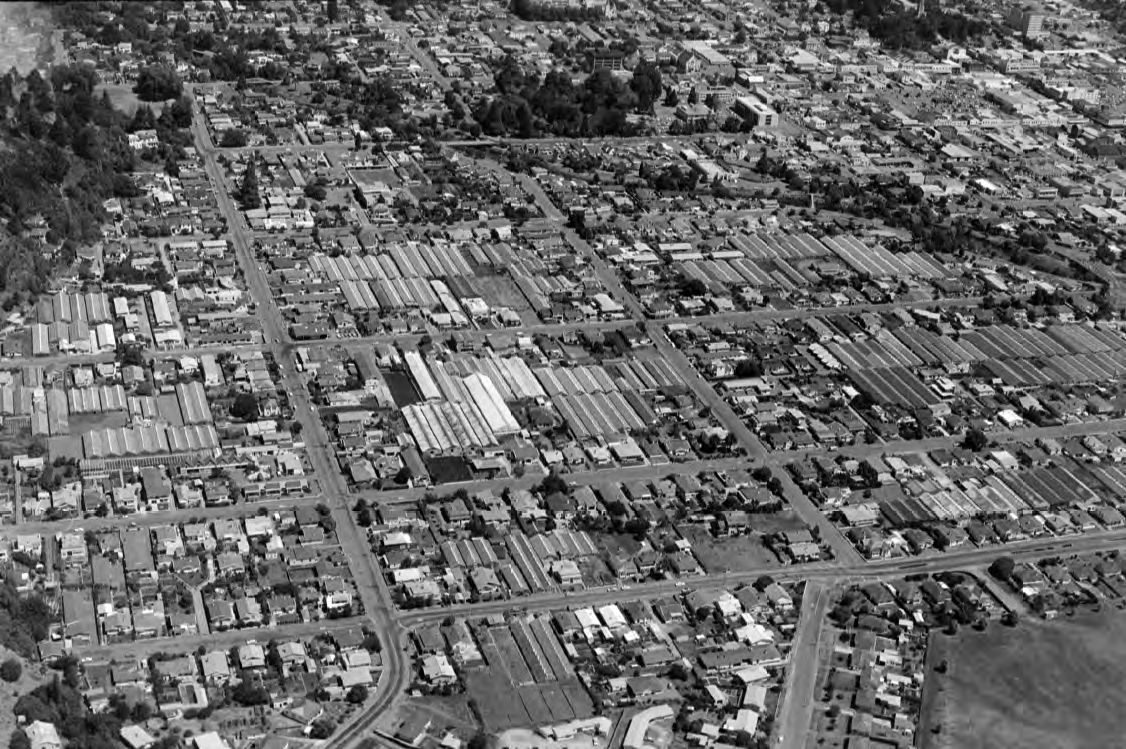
(248, 192)
(646, 83)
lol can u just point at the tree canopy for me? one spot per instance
(158, 83)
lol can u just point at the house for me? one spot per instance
(43, 735)
(136, 737)
(156, 488)
(249, 611)
(215, 667)
(437, 670)
(220, 613)
(251, 656)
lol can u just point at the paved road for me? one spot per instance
(884, 569)
(150, 519)
(798, 697)
(372, 589)
(370, 586)
(132, 651)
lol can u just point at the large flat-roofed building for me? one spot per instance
(1029, 22)
(756, 112)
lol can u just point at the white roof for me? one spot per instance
(210, 740)
(136, 737)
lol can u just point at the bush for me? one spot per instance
(19, 740)
(11, 670)
(322, 728)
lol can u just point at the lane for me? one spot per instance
(166, 517)
(140, 649)
(884, 569)
(372, 589)
(796, 711)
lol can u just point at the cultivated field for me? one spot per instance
(1044, 685)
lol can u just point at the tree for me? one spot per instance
(748, 368)
(248, 694)
(233, 139)
(322, 728)
(19, 740)
(11, 670)
(479, 741)
(975, 440)
(1002, 568)
(248, 194)
(646, 84)
(553, 483)
(358, 694)
(404, 476)
(245, 407)
(158, 83)
(694, 287)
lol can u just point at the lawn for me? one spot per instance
(123, 97)
(1043, 685)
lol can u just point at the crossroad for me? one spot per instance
(392, 624)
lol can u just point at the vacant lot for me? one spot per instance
(1043, 685)
(729, 554)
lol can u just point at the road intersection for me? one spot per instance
(392, 624)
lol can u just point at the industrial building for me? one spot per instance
(193, 403)
(124, 442)
(423, 381)
(96, 400)
(161, 310)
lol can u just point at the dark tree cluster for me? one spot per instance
(24, 622)
(60, 703)
(65, 152)
(530, 10)
(900, 27)
(158, 83)
(526, 106)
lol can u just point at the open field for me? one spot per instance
(729, 554)
(1044, 685)
(123, 97)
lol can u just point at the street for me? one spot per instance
(393, 625)
(796, 709)
(369, 583)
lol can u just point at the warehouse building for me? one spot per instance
(193, 403)
(161, 311)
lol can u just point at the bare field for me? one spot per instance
(1043, 685)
